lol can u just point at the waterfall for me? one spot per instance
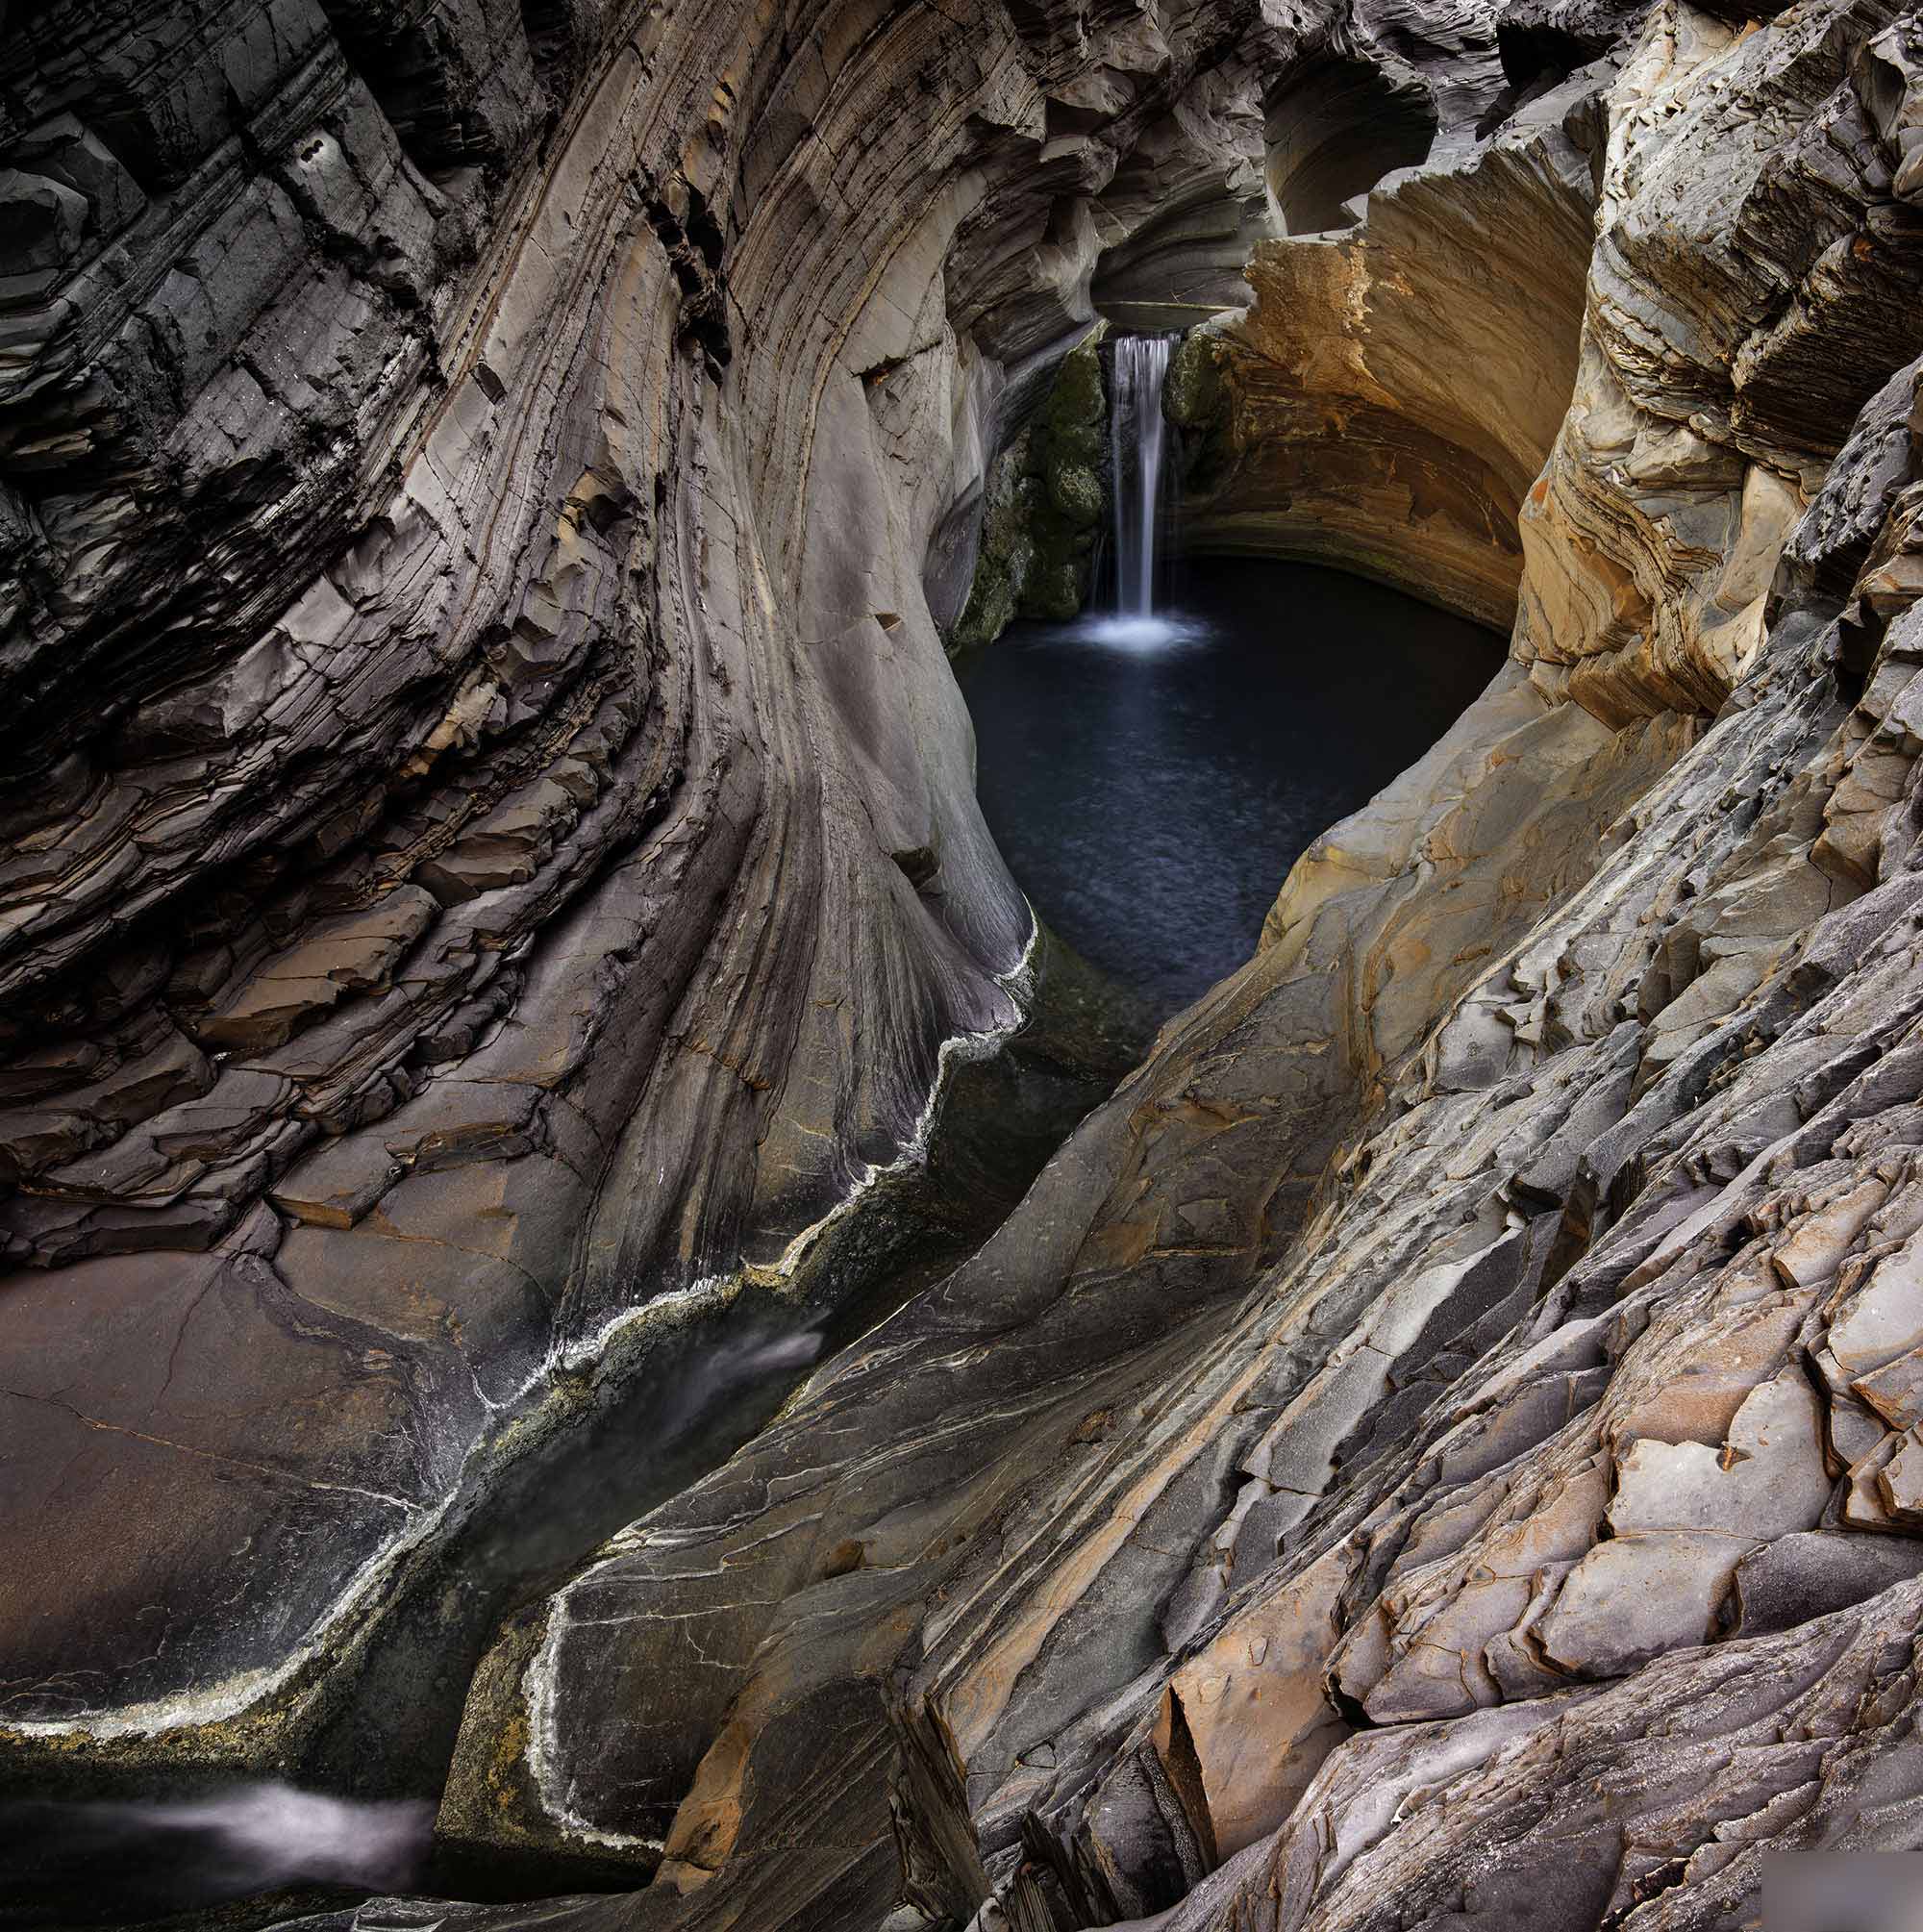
(1136, 435)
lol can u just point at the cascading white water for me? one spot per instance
(1136, 435)
(178, 1855)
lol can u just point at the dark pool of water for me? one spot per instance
(1150, 796)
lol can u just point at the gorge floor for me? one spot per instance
(183, 1850)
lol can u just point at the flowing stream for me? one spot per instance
(350, 1809)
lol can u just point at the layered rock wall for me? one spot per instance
(1448, 1420)
(494, 854)
(1389, 398)
(490, 845)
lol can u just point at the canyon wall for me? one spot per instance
(492, 865)
(1436, 1444)
(1388, 399)
(1441, 1445)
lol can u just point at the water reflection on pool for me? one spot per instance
(1150, 780)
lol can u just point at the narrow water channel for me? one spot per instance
(1150, 796)
(1150, 777)
(350, 1808)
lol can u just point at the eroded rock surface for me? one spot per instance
(1391, 395)
(1459, 1392)
(1443, 1443)
(491, 852)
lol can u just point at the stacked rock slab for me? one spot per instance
(1441, 1443)
(490, 853)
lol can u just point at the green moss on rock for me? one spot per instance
(1191, 394)
(1047, 496)
(1077, 493)
(1069, 443)
(1075, 418)
(1007, 553)
(1195, 397)
(1058, 586)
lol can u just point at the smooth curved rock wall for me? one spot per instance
(1449, 1418)
(1336, 126)
(1389, 398)
(491, 844)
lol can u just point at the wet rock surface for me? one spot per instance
(1045, 497)
(1441, 1443)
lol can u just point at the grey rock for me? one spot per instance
(491, 873)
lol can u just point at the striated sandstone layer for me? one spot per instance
(1389, 398)
(1439, 1444)
(1443, 1443)
(490, 865)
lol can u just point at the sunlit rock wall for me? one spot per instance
(1391, 396)
(1441, 1442)
(1710, 403)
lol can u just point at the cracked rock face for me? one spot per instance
(1443, 1443)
